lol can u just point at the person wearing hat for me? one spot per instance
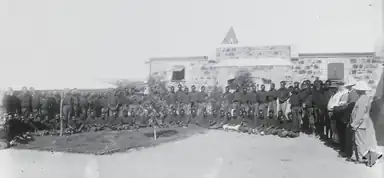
(343, 113)
(359, 122)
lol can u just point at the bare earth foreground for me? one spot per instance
(215, 154)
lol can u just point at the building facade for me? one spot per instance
(201, 70)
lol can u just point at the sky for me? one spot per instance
(45, 42)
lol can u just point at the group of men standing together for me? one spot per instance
(320, 108)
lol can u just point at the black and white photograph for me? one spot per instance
(191, 89)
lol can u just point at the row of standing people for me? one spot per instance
(45, 106)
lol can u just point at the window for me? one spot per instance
(178, 73)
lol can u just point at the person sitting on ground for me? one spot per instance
(281, 123)
(250, 121)
(204, 120)
(260, 122)
(183, 119)
(292, 133)
(235, 120)
(172, 118)
(213, 118)
(272, 123)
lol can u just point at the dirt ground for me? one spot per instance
(108, 142)
(214, 154)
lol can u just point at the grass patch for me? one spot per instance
(108, 142)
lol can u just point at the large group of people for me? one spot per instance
(333, 111)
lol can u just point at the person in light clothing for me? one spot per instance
(336, 100)
(360, 121)
(335, 105)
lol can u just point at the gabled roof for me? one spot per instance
(230, 38)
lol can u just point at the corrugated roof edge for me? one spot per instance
(176, 58)
(337, 54)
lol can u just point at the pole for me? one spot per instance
(61, 114)
(154, 133)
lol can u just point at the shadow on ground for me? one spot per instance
(109, 142)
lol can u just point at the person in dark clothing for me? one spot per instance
(171, 97)
(237, 100)
(228, 98)
(194, 95)
(51, 108)
(262, 100)
(11, 103)
(296, 104)
(343, 114)
(244, 97)
(57, 97)
(327, 96)
(185, 101)
(272, 99)
(283, 96)
(319, 106)
(113, 105)
(307, 99)
(352, 99)
(44, 109)
(84, 104)
(179, 94)
(253, 99)
(67, 108)
(35, 103)
(202, 99)
(25, 103)
(76, 104)
(97, 104)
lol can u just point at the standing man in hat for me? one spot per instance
(345, 107)
(360, 122)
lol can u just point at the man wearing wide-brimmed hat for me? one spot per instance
(336, 105)
(347, 103)
(360, 122)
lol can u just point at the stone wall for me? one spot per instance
(361, 66)
(197, 72)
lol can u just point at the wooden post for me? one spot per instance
(154, 133)
(61, 114)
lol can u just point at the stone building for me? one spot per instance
(209, 71)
